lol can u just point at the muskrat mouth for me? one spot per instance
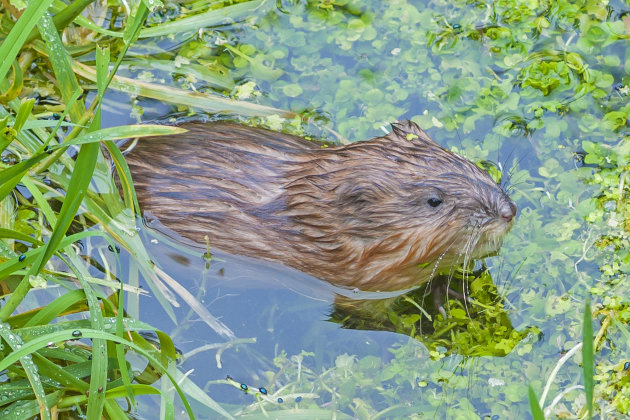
(487, 239)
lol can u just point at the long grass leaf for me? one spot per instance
(59, 59)
(16, 86)
(12, 44)
(537, 412)
(58, 7)
(198, 71)
(203, 101)
(588, 364)
(25, 410)
(10, 177)
(227, 14)
(124, 177)
(200, 395)
(23, 113)
(9, 233)
(56, 308)
(29, 369)
(64, 15)
(9, 266)
(64, 376)
(79, 182)
(98, 373)
(41, 342)
(122, 132)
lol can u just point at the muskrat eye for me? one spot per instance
(434, 201)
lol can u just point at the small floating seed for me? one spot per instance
(262, 390)
(21, 258)
(77, 333)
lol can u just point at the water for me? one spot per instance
(525, 84)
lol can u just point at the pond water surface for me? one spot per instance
(521, 83)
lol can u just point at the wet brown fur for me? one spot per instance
(355, 215)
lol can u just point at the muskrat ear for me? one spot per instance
(409, 130)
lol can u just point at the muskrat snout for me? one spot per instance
(508, 210)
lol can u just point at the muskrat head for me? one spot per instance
(402, 201)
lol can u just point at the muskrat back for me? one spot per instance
(383, 214)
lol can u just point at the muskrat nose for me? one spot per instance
(508, 210)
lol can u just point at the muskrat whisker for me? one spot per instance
(471, 243)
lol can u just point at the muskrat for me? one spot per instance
(379, 215)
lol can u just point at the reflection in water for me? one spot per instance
(477, 325)
(275, 311)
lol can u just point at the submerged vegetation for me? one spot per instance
(540, 87)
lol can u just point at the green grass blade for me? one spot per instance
(79, 183)
(12, 234)
(138, 389)
(588, 364)
(203, 101)
(16, 38)
(198, 71)
(200, 395)
(56, 308)
(98, 373)
(537, 412)
(59, 59)
(193, 23)
(64, 376)
(29, 369)
(124, 176)
(10, 177)
(58, 6)
(122, 132)
(23, 113)
(64, 15)
(9, 266)
(16, 86)
(41, 342)
(21, 410)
